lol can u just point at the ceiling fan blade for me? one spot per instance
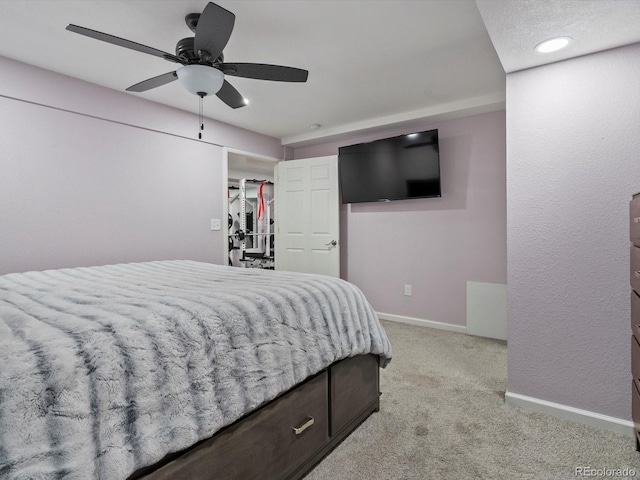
(229, 95)
(153, 82)
(213, 31)
(121, 42)
(261, 71)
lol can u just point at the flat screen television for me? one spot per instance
(397, 168)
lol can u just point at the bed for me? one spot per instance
(181, 369)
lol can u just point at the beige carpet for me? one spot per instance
(443, 416)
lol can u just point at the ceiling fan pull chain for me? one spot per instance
(201, 115)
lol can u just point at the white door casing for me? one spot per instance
(307, 216)
(242, 165)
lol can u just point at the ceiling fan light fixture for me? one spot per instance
(553, 44)
(200, 80)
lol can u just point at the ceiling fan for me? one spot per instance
(204, 68)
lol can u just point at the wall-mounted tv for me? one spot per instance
(397, 168)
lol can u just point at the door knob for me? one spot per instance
(332, 243)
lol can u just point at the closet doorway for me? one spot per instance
(248, 225)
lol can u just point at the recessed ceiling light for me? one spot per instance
(553, 44)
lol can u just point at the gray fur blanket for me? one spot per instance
(104, 370)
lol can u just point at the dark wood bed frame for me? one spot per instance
(285, 438)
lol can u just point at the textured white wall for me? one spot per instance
(573, 161)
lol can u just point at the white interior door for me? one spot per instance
(307, 216)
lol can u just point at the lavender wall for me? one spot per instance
(92, 176)
(36, 85)
(435, 245)
(573, 162)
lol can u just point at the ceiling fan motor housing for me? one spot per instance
(184, 49)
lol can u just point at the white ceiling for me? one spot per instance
(371, 63)
(517, 26)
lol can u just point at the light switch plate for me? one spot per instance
(215, 224)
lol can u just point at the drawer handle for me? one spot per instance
(636, 220)
(298, 430)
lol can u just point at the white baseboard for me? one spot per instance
(565, 412)
(422, 323)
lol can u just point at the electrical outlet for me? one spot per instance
(407, 290)
(215, 224)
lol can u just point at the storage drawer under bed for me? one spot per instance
(354, 387)
(273, 440)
